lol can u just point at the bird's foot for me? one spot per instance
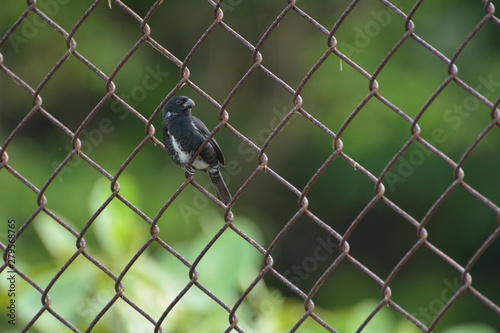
(188, 171)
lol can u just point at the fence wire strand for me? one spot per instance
(146, 40)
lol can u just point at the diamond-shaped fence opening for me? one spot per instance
(362, 151)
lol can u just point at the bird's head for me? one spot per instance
(177, 106)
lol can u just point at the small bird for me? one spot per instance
(183, 134)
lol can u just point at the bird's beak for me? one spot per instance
(188, 104)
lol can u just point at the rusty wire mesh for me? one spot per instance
(44, 289)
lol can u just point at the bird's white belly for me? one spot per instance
(184, 157)
(199, 164)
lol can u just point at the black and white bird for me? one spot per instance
(183, 134)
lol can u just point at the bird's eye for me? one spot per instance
(179, 101)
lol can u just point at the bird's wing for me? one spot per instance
(202, 128)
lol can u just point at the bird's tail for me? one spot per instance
(219, 186)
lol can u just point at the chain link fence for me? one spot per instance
(93, 242)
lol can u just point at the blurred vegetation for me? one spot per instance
(451, 123)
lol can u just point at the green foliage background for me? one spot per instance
(452, 122)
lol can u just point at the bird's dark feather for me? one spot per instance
(200, 126)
